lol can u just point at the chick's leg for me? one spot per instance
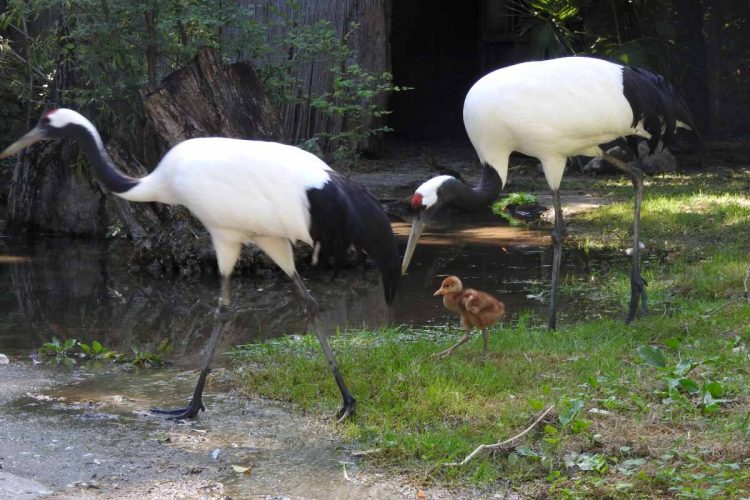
(449, 351)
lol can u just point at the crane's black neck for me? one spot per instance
(458, 194)
(102, 166)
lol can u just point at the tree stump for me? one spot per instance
(207, 99)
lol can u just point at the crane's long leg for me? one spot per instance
(637, 283)
(312, 309)
(220, 318)
(558, 234)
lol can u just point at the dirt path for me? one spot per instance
(84, 434)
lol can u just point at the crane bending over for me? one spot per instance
(555, 109)
(446, 190)
(263, 193)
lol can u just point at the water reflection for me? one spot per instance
(81, 289)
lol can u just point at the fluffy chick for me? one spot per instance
(476, 310)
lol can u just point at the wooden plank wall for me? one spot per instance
(370, 43)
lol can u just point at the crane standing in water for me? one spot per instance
(555, 109)
(264, 193)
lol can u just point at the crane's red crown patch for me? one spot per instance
(416, 201)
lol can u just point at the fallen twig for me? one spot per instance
(500, 444)
(719, 308)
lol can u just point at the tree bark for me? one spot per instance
(206, 98)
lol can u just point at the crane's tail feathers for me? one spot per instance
(657, 104)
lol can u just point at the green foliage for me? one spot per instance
(150, 359)
(513, 199)
(652, 355)
(548, 26)
(498, 208)
(127, 34)
(354, 100)
(638, 33)
(68, 350)
(96, 350)
(278, 56)
(58, 348)
(678, 387)
(12, 92)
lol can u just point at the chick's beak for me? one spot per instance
(438, 292)
(34, 135)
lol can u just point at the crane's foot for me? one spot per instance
(191, 411)
(637, 294)
(347, 410)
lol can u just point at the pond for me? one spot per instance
(81, 289)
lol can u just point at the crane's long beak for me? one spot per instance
(417, 227)
(34, 135)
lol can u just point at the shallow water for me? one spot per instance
(80, 289)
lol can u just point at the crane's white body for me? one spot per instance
(549, 110)
(235, 188)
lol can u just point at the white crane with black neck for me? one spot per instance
(264, 193)
(555, 109)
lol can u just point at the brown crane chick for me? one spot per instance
(476, 309)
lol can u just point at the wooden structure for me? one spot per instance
(369, 42)
(427, 44)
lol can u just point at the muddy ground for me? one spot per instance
(85, 434)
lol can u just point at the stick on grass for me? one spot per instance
(500, 444)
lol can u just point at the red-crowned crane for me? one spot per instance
(453, 192)
(447, 191)
(555, 109)
(264, 193)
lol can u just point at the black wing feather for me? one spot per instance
(344, 214)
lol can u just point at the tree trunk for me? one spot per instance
(206, 98)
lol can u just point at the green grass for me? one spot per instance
(653, 433)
